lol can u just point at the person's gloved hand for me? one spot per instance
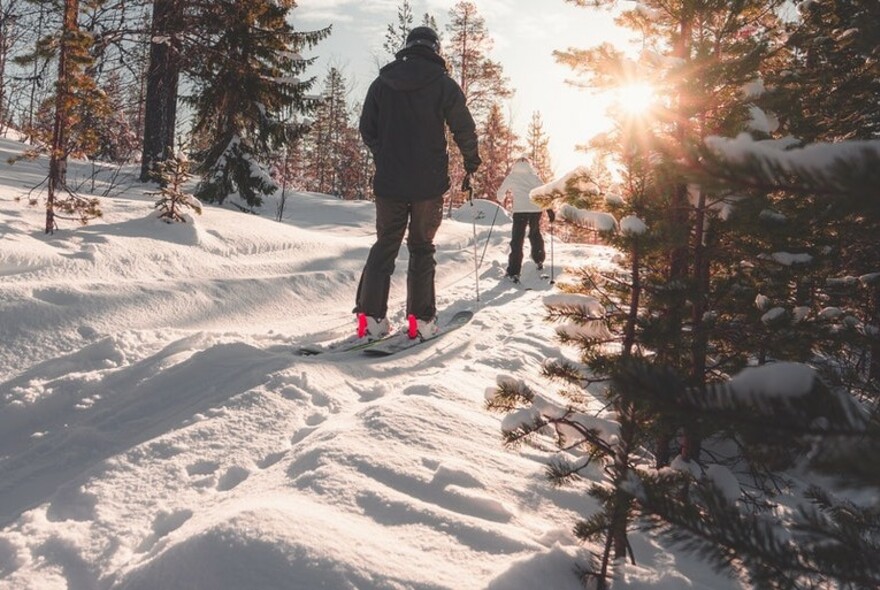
(551, 215)
(466, 183)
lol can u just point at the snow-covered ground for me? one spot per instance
(158, 432)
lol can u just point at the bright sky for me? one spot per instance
(525, 37)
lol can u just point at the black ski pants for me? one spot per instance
(536, 241)
(392, 219)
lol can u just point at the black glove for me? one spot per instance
(551, 215)
(466, 183)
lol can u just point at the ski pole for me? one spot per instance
(466, 185)
(491, 227)
(552, 281)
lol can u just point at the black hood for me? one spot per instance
(414, 68)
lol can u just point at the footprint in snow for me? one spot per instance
(316, 419)
(72, 503)
(232, 478)
(202, 468)
(271, 459)
(203, 473)
(367, 394)
(301, 434)
(163, 524)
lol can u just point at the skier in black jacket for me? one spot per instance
(403, 122)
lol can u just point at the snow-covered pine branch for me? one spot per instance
(846, 169)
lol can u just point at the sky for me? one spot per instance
(525, 34)
(157, 429)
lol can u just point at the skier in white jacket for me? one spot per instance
(514, 195)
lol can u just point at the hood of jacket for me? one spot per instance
(523, 167)
(414, 68)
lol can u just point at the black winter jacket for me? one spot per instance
(404, 121)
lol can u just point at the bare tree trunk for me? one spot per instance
(162, 78)
(629, 332)
(874, 371)
(700, 344)
(11, 31)
(58, 150)
(4, 53)
(35, 78)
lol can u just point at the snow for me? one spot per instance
(761, 121)
(762, 302)
(753, 89)
(816, 157)
(772, 216)
(830, 313)
(725, 481)
(774, 315)
(789, 259)
(589, 306)
(597, 220)
(632, 225)
(157, 431)
(782, 379)
(614, 200)
(577, 180)
(800, 313)
(805, 5)
(869, 279)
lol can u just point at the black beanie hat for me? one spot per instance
(423, 36)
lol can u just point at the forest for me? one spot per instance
(737, 334)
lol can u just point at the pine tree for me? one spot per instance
(173, 173)
(480, 78)
(683, 296)
(429, 21)
(163, 74)
(827, 541)
(249, 84)
(328, 141)
(11, 33)
(467, 53)
(36, 62)
(114, 138)
(395, 35)
(832, 73)
(537, 147)
(498, 150)
(73, 87)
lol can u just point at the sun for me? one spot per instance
(635, 99)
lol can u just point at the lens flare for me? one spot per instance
(635, 99)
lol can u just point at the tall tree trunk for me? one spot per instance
(160, 111)
(678, 221)
(5, 20)
(58, 150)
(874, 370)
(35, 78)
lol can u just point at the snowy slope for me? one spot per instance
(157, 432)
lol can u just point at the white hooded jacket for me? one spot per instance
(521, 180)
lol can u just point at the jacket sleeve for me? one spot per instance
(462, 126)
(506, 185)
(369, 123)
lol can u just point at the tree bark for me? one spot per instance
(58, 150)
(874, 370)
(163, 73)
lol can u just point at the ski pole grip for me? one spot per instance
(467, 187)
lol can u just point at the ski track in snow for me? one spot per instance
(157, 431)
